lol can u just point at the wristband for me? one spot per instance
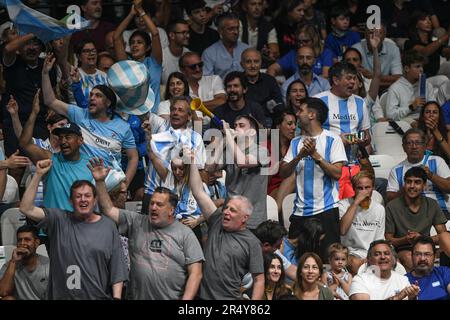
(143, 13)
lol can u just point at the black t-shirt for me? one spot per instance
(263, 91)
(434, 60)
(224, 112)
(199, 42)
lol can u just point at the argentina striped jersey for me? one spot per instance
(315, 191)
(345, 115)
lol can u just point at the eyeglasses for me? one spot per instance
(193, 67)
(427, 255)
(89, 50)
(414, 143)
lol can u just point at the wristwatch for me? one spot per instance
(318, 160)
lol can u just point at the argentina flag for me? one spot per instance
(46, 28)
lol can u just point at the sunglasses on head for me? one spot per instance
(193, 67)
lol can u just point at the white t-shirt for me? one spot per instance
(377, 288)
(170, 64)
(437, 166)
(208, 87)
(345, 115)
(316, 192)
(367, 226)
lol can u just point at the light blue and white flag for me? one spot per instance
(46, 28)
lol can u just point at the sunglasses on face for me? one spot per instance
(193, 67)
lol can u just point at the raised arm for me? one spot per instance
(26, 138)
(10, 51)
(161, 170)
(13, 109)
(374, 41)
(205, 203)
(27, 206)
(119, 46)
(100, 172)
(156, 41)
(49, 96)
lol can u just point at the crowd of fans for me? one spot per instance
(280, 97)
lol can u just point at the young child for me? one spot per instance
(341, 37)
(338, 279)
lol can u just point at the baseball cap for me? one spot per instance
(68, 128)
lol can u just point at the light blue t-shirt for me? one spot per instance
(61, 177)
(154, 72)
(102, 139)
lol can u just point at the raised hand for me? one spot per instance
(43, 166)
(74, 74)
(12, 106)
(375, 38)
(36, 103)
(48, 63)
(137, 4)
(19, 253)
(98, 169)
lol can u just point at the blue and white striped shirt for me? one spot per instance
(345, 115)
(316, 192)
(89, 81)
(436, 165)
(168, 142)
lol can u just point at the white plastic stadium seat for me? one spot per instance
(11, 220)
(272, 209)
(12, 191)
(382, 164)
(387, 141)
(287, 207)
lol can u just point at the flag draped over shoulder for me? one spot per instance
(46, 28)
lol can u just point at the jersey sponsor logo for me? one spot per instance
(337, 116)
(435, 284)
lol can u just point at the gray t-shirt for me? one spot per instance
(229, 256)
(250, 183)
(86, 259)
(399, 219)
(30, 285)
(159, 257)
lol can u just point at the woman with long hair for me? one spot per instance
(421, 40)
(274, 276)
(431, 121)
(307, 285)
(177, 85)
(277, 187)
(142, 48)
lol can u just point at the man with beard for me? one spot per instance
(25, 276)
(314, 84)
(412, 215)
(434, 282)
(236, 105)
(92, 11)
